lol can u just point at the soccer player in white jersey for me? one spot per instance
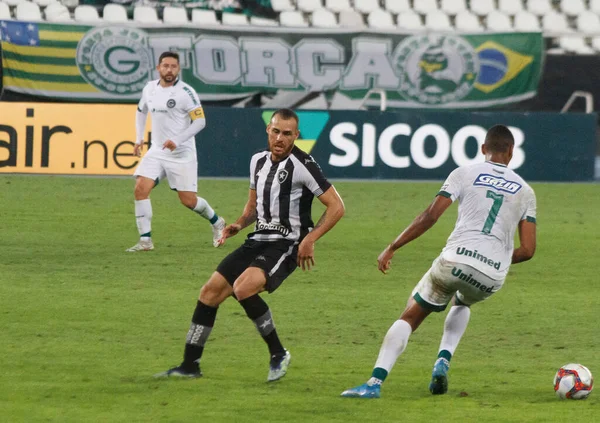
(177, 117)
(493, 203)
(283, 182)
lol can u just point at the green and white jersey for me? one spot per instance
(492, 201)
(172, 109)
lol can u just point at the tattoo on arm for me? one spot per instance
(250, 219)
(247, 219)
(321, 219)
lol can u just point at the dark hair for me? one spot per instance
(168, 54)
(499, 139)
(286, 114)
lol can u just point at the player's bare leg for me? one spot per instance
(201, 206)
(212, 294)
(143, 213)
(393, 345)
(246, 289)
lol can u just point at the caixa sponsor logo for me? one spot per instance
(500, 184)
(370, 143)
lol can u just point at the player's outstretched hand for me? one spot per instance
(170, 145)
(137, 149)
(384, 261)
(306, 254)
(229, 231)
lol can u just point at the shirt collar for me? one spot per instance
(175, 83)
(496, 164)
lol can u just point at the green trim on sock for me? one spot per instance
(379, 373)
(146, 234)
(445, 354)
(214, 219)
(458, 302)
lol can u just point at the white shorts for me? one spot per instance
(446, 278)
(181, 176)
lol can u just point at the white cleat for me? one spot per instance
(141, 246)
(217, 230)
(278, 366)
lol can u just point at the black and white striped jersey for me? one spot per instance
(284, 195)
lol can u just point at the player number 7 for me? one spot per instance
(491, 219)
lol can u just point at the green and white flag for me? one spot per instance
(40, 59)
(416, 70)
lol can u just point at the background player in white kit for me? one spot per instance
(177, 117)
(493, 202)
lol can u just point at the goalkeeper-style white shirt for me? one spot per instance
(172, 109)
(492, 201)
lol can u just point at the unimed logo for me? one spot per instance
(67, 139)
(311, 126)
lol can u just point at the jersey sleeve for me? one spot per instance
(191, 104)
(313, 177)
(452, 187)
(530, 207)
(143, 103)
(253, 162)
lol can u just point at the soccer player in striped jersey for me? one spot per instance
(493, 203)
(283, 182)
(177, 116)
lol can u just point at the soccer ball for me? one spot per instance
(573, 381)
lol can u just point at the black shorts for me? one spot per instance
(276, 258)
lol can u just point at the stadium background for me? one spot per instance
(565, 64)
(51, 135)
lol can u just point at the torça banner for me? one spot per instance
(113, 63)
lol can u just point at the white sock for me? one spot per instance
(374, 381)
(204, 209)
(393, 345)
(454, 327)
(143, 216)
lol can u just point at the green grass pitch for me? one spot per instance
(86, 325)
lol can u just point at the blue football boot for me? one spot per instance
(439, 377)
(364, 391)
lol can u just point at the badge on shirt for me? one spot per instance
(282, 176)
